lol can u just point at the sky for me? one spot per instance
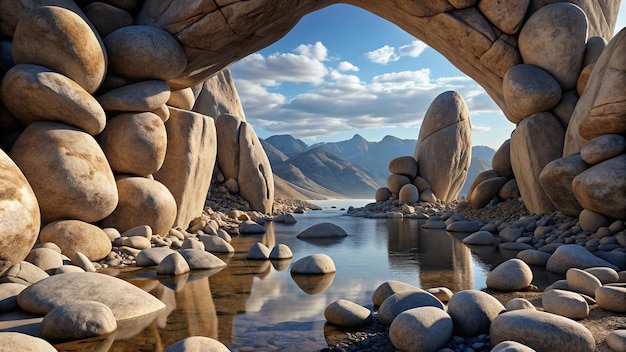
(343, 71)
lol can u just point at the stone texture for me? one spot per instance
(565, 303)
(511, 346)
(15, 341)
(519, 303)
(77, 236)
(281, 251)
(201, 260)
(124, 299)
(107, 18)
(616, 340)
(582, 281)
(396, 182)
(255, 177)
(152, 256)
(8, 295)
(20, 211)
(322, 230)
(227, 127)
(574, 256)
(472, 312)
(45, 259)
(583, 79)
(218, 95)
(173, 264)
(216, 244)
(382, 194)
(182, 99)
(35, 93)
(315, 264)
(78, 320)
(408, 194)
(534, 257)
(61, 40)
(556, 180)
(536, 141)
(347, 313)
(593, 49)
(602, 148)
(443, 149)
(512, 275)
(197, 343)
(404, 165)
(142, 202)
(543, 40)
(188, 166)
(258, 251)
(480, 238)
(136, 97)
(484, 192)
(507, 16)
(541, 331)
(611, 298)
(591, 221)
(405, 300)
(602, 187)
(421, 329)
(134, 144)
(66, 166)
(485, 175)
(23, 273)
(605, 275)
(528, 89)
(509, 190)
(501, 161)
(250, 227)
(145, 52)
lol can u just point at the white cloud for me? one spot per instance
(476, 128)
(315, 51)
(387, 54)
(346, 66)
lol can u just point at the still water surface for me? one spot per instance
(258, 305)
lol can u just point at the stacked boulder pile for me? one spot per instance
(438, 168)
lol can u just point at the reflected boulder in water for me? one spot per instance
(313, 284)
(197, 343)
(281, 264)
(322, 230)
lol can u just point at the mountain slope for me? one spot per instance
(287, 144)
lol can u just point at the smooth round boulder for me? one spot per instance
(142, 202)
(20, 214)
(382, 194)
(565, 303)
(534, 257)
(23, 273)
(107, 18)
(582, 281)
(405, 300)
(250, 227)
(472, 312)
(404, 165)
(281, 251)
(511, 346)
(519, 303)
(145, 52)
(421, 329)
(442, 293)
(347, 314)
(36, 93)
(45, 259)
(616, 340)
(408, 194)
(152, 256)
(15, 341)
(78, 320)
(605, 275)
(611, 298)
(480, 238)
(528, 89)
(322, 230)
(134, 144)
(484, 192)
(182, 99)
(541, 331)
(512, 275)
(501, 160)
(173, 264)
(602, 187)
(77, 236)
(574, 256)
(68, 172)
(258, 251)
(61, 40)
(602, 148)
(388, 288)
(137, 97)
(395, 183)
(315, 264)
(216, 244)
(197, 343)
(125, 300)
(8, 295)
(201, 260)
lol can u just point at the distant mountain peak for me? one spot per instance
(358, 137)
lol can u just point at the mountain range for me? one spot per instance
(353, 168)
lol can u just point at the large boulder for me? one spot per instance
(78, 320)
(227, 128)
(61, 40)
(322, 230)
(512, 275)
(405, 300)
(536, 141)
(142, 202)
(33, 93)
(602, 187)
(106, 18)
(255, 177)
(556, 180)
(20, 213)
(472, 312)
(142, 96)
(574, 256)
(218, 95)
(15, 341)
(443, 150)
(421, 329)
(66, 166)
(528, 89)
(74, 236)
(189, 160)
(404, 165)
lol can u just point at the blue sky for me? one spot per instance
(343, 71)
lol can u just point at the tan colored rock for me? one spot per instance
(77, 236)
(528, 89)
(145, 52)
(536, 141)
(593, 49)
(218, 95)
(20, 209)
(136, 97)
(107, 18)
(34, 93)
(565, 303)
(487, 174)
(61, 40)
(556, 180)
(583, 79)
(507, 16)
(256, 181)
(408, 194)
(602, 187)
(404, 165)
(163, 112)
(135, 143)
(602, 148)
(501, 161)
(227, 128)
(16, 341)
(542, 41)
(189, 161)
(484, 192)
(500, 58)
(509, 190)
(382, 194)
(66, 166)
(182, 99)
(396, 182)
(443, 150)
(142, 202)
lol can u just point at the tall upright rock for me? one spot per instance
(444, 147)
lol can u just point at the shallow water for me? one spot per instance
(258, 305)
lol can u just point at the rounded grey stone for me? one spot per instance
(421, 329)
(405, 300)
(78, 320)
